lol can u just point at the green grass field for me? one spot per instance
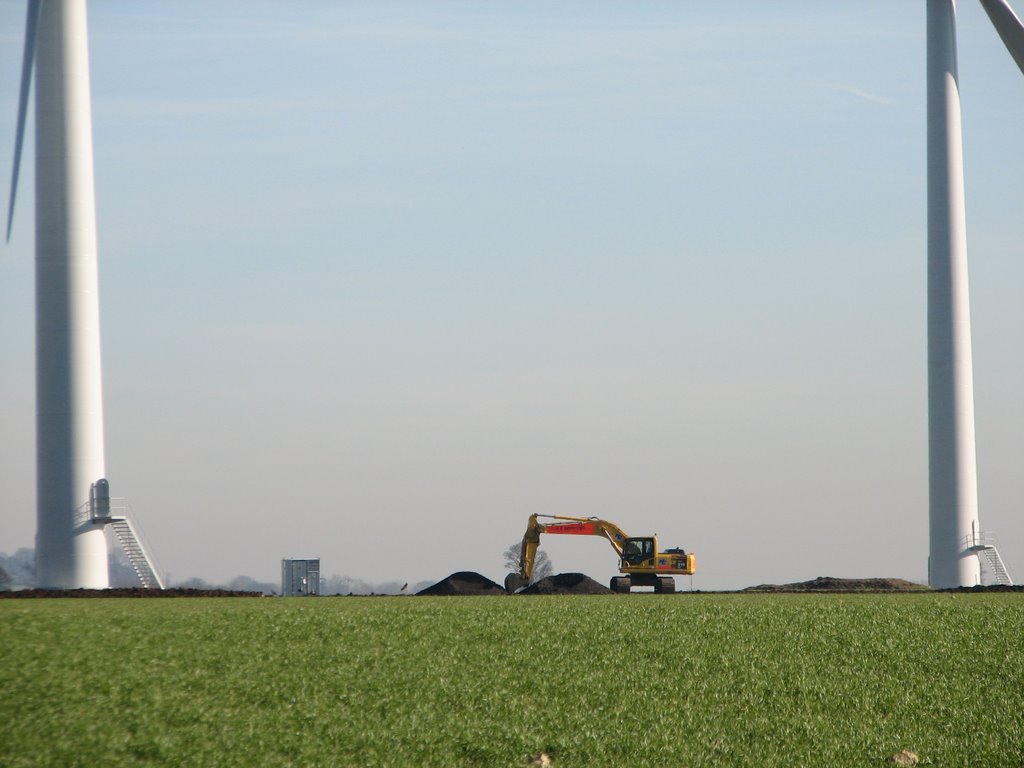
(655, 680)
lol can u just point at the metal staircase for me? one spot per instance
(115, 513)
(136, 553)
(994, 565)
(984, 544)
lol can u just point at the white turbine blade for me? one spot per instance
(31, 22)
(1008, 26)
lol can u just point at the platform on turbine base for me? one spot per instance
(115, 513)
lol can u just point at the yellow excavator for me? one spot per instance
(640, 560)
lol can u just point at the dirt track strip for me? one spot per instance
(470, 583)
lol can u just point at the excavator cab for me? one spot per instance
(637, 550)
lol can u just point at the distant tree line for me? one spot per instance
(17, 571)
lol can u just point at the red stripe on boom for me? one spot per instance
(586, 529)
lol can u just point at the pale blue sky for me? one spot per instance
(381, 279)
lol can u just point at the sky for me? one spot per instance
(381, 279)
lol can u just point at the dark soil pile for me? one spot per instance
(833, 584)
(464, 583)
(129, 592)
(566, 584)
(988, 588)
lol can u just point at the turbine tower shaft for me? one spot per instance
(952, 466)
(70, 551)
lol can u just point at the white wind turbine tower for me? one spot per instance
(71, 550)
(954, 534)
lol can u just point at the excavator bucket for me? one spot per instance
(514, 582)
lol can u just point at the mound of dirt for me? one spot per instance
(566, 584)
(464, 583)
(833, 584)
(129, 592)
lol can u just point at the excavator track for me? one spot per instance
(621, 584)
(665, 585)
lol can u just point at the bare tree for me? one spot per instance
(20, 568)
(542, 565)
